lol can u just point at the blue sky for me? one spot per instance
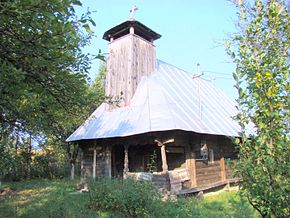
(192, 32)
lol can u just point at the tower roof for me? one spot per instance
(124, 29)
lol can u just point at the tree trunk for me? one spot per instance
(72, 171)
(29, 150)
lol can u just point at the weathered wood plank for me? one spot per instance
(202, 164)
(126, 162)
(200, 171)
(131, 57)
(208, 177)
(223, 169)
(164, 160)
(190, 165)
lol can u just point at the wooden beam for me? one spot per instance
(97, 148)
(168, 141)
(223, 169)
(126, 162)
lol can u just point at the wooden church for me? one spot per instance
(167, 127)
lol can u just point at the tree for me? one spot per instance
(261, 52)
(43, 85)
(42, 66)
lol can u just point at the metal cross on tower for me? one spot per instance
(133, 11)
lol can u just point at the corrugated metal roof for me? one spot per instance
(168, 99)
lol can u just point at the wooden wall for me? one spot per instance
(86, 163)
(216, 171)
(184, 153)
(130, 58)
(103, 161)
(207, 173)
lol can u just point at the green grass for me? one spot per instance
(227, 204)
(57, 198)
(44, 198)
(223, 205)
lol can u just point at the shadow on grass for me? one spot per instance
(44, 198)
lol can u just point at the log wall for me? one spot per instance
(103, 162)
(207, 173)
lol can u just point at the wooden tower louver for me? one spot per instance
(131, 55)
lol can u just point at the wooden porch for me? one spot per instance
(180, 165)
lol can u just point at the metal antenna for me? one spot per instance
(133, 12)
(198, 68)
(199, 74)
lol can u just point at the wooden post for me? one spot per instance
(190, 165)
(114, 168)
(109, 161)
(163, 153)
(126, 162)
(193, 182)
(94, 162)
(164, 160)
(223, 169)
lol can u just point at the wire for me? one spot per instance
(208, 71)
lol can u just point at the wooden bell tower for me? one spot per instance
(131, 55)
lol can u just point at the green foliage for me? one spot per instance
(127, 197)
(48, 161)
(43, 81)
(42, 66)
(261, 53)
(97, 89)
(152, 165)
(57, 198)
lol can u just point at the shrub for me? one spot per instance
(127, 197)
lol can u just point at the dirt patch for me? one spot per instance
(232, 188)
(6, 191)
